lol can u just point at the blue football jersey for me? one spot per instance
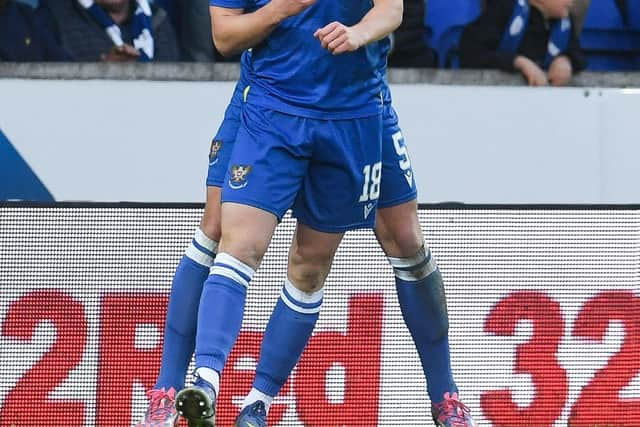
(385, 48)
(290, 72)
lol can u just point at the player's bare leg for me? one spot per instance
(398, 230)
(292, 321)
(211, 218)
(424, 308)
(180, 323)
(310, 257)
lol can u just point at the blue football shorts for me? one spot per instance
(397, 184)
(222, 143)
(327, 171)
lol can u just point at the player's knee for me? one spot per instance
(308, 277)
(211, 228)
(403, 240)
(248, 251)
(399, 235)
(410, 239)
(308, 269)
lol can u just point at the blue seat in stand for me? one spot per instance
(445, 20)
(610, 39)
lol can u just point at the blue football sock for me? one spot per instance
(221, 311)
(289, 329)
(424, 309)
(182, 313)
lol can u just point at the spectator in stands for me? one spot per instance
(190, 19)
(26, 34)
(409, 40)
(536, 38)
(195, 31)
(114, 30)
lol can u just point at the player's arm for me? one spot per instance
(383, 18)
(234, 30)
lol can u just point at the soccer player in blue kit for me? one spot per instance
(419, 283)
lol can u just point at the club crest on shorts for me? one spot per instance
(239, 176)
(216, 145)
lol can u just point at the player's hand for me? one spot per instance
(560, 71)
(287, 8)
(337, 38)
(122, 53)
(535, 75)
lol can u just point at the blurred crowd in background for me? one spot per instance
(539, 38)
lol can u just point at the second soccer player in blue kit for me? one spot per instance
(316, 124)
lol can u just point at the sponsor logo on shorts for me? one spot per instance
(368, 208)
(216, 145)
(408, 175)
(239, 176)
